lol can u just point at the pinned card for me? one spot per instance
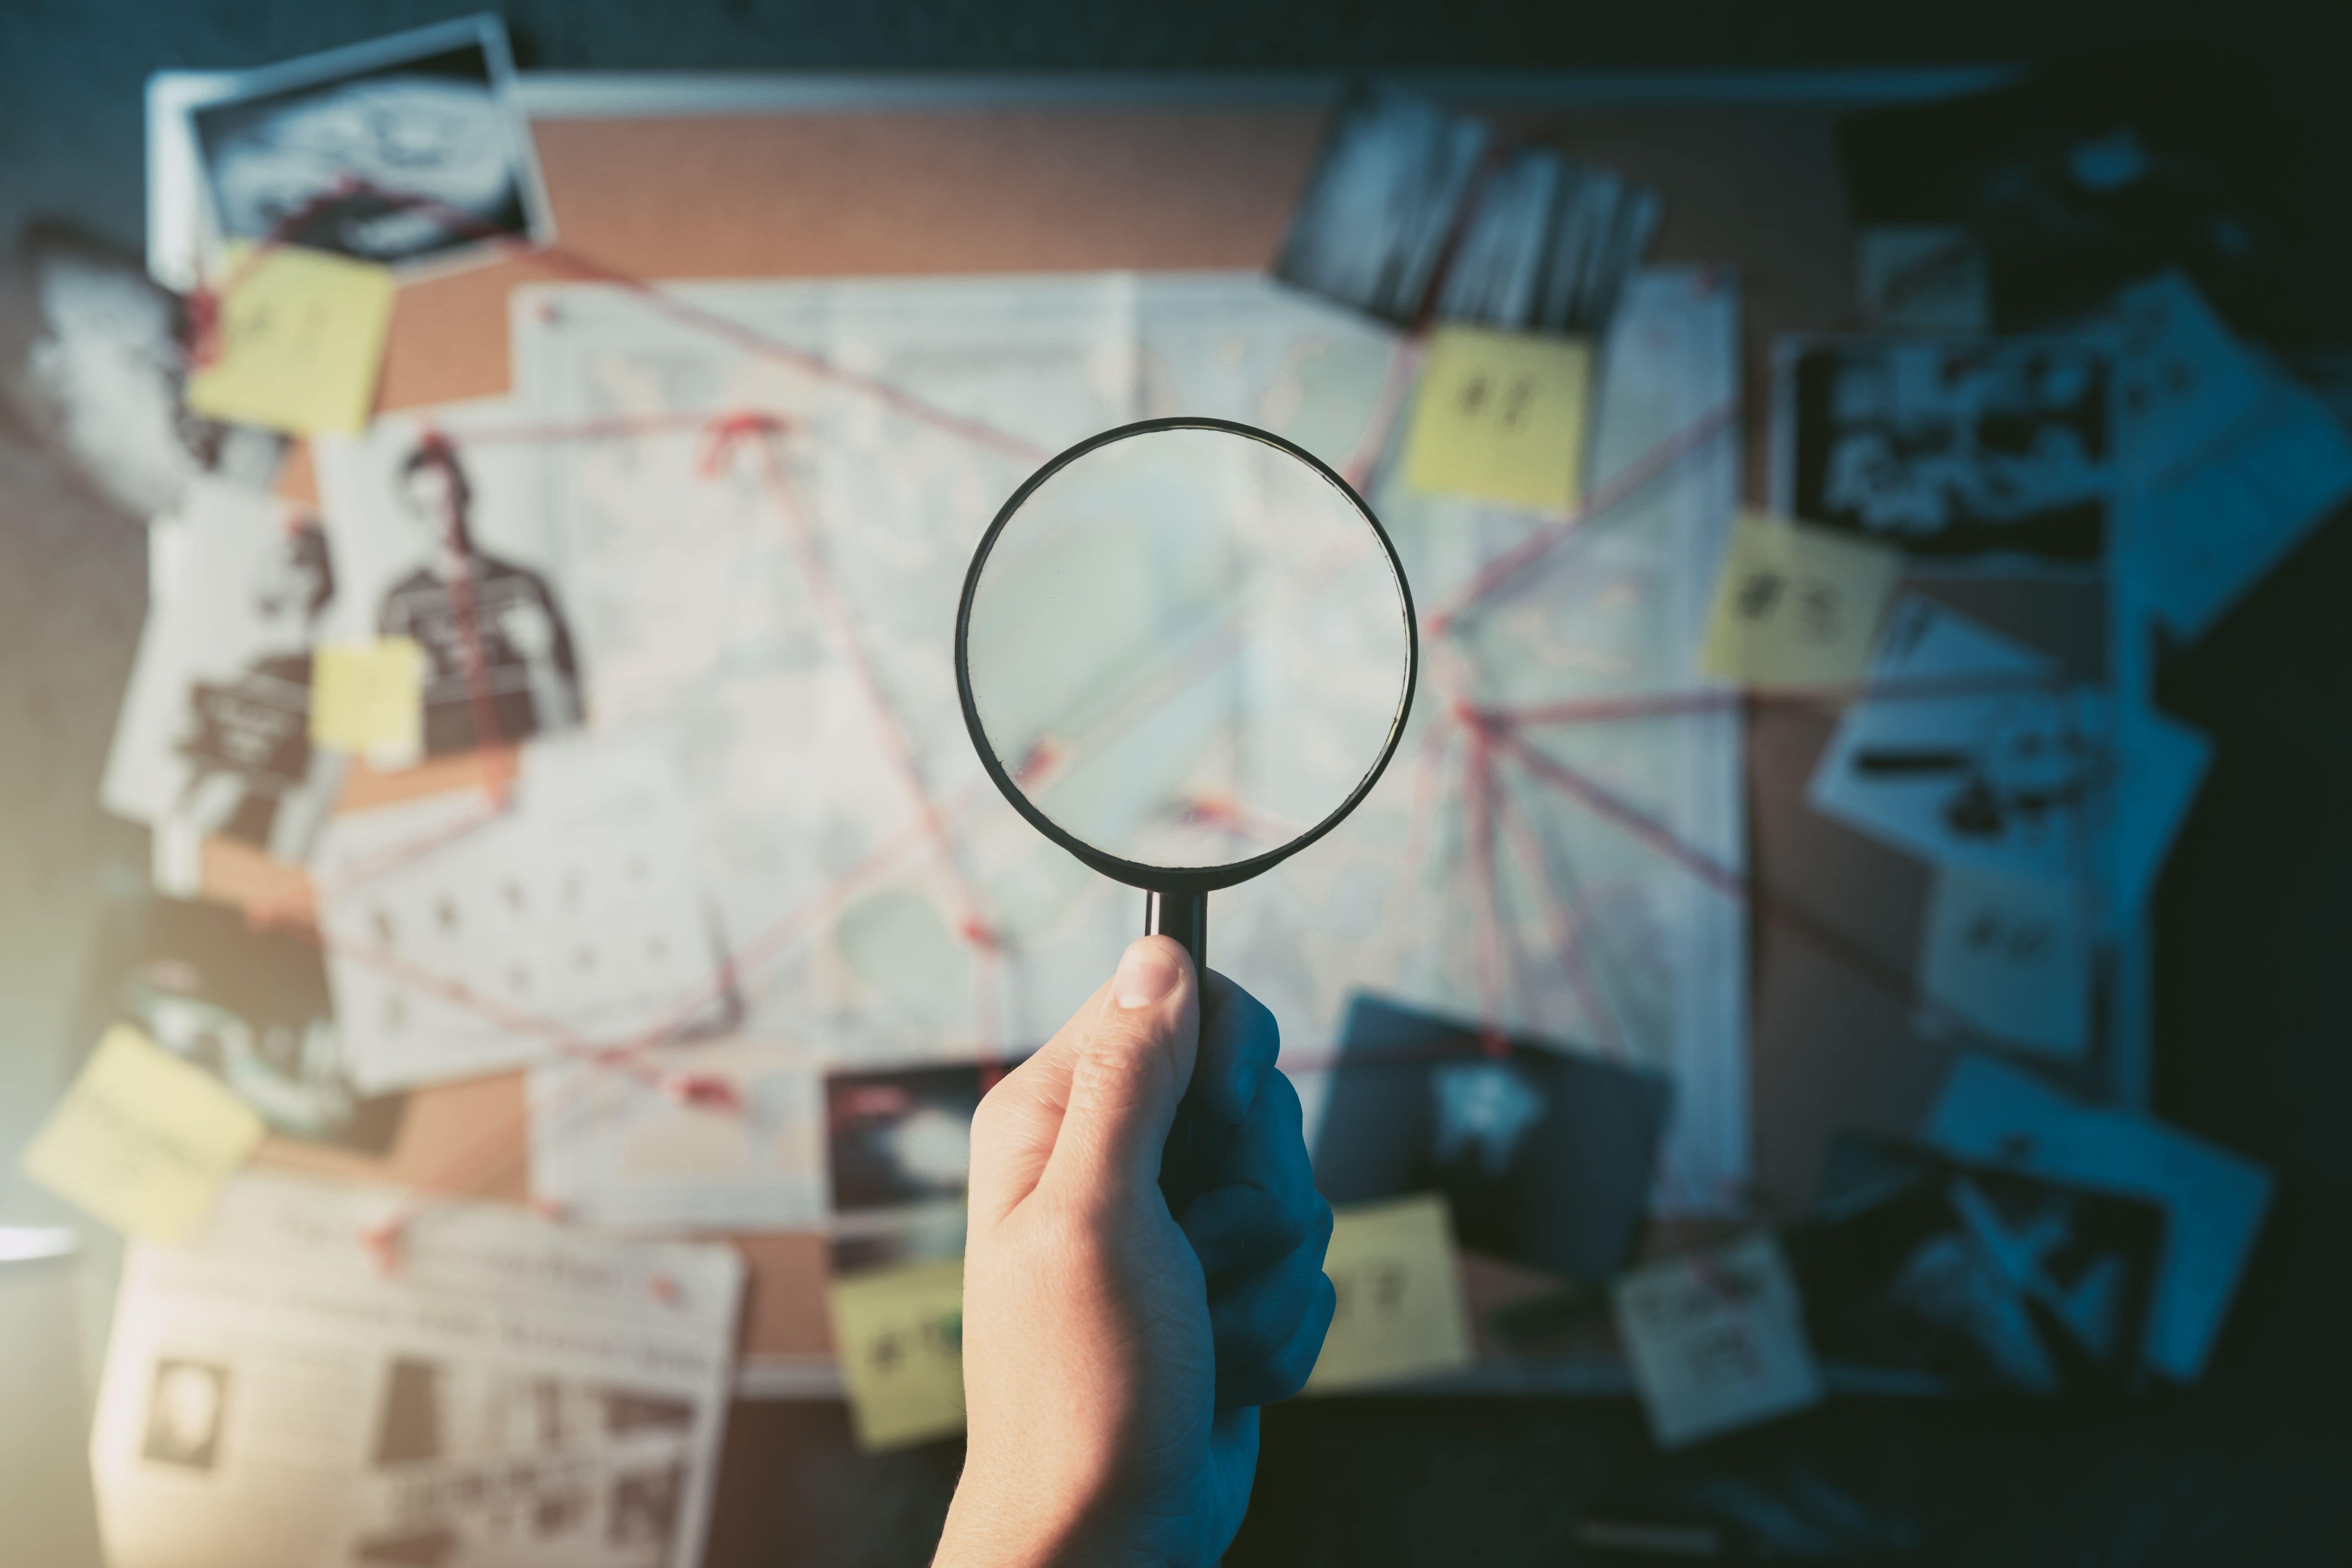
(1795, 606)
(2010, 956)
(369, 698)
(2218, 528)
(1716, 1341)
(297, 341)
(1967, 750)
(1399, 1282)
(142, 1141)
(2183, 379)
(1501, 416)
(2213, 1199)
(899, 1334)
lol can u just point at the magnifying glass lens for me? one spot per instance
(1188, 648)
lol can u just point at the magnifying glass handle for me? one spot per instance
(1185, 917)
(1183, 1162)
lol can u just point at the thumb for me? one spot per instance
(1129, 1068)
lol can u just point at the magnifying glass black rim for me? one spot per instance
(1163, 878)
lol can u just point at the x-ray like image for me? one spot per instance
(1987, 1276)
(395, 150)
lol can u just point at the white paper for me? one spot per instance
(2164, 763)
(213, 736)
(1997, 771)
(2213, 1200)
(701, 631)
(1922, 279)
(1716, 1340)
(507, 1393)
(727, 1135)
(2182, 379)
(2200, 541)
(2011, 956)
(463, 938)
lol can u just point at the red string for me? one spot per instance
(761, 431)
(1478, 769)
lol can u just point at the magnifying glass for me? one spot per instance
(1186, 651)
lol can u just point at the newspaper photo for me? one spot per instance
(288, 1387)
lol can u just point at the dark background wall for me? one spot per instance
(70, 70)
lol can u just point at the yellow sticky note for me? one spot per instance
(142, 1141)
(369, 698)
(1399, 1313)
(899, 1334)
(1500, 417)
(299, 339)
(1796, 605)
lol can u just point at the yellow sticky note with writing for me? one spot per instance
(142, 1141)
(1796, 605)
(1500, 417)
(369, 698)
(298, 342)
(1398, 1280)
(899, 1334)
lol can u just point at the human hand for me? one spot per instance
(1114, 1359)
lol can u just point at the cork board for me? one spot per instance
(982, 190)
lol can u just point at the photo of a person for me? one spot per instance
(184, 1412)
(498, 653)
(253, 774)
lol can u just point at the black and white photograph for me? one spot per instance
(1545, 1155)
(247, 1004)
(186, 1408)
(436, 526)
(1950, 448)
(900, 1138)
(407, 149)
(497, 1466)
(213, 739)
(1987, 1276)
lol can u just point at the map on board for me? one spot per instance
(759, 501)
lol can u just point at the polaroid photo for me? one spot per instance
(435, 523)
(213, 739)
(1546, 1157)
(1949, 449)
(406, 150)
(248, 1005)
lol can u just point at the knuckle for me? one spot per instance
(1121, 1064)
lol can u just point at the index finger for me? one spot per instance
(1239, 1041)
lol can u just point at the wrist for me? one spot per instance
(1015, 1517)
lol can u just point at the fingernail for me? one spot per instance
(1146, 975)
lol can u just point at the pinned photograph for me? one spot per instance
(1985, 1276)
(247, 1004)
(1990, 446)
(213, 739)
(406, 149)
(437, 523)
(1981, 755)
(1546, 1157)
(185, 1413)
(903, 1137)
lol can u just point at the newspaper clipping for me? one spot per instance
(298, 1385)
